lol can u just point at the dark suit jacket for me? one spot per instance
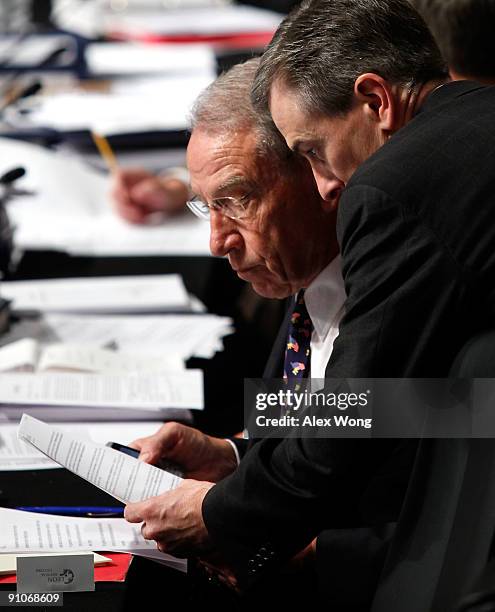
(416, 226)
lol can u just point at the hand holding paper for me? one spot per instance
(200, 456)
(174, 520)
(119, 475)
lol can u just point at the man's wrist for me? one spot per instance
(228, 459)
(235, 449)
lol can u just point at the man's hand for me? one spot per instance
(137, 194)
(174, 519)
(200, 456)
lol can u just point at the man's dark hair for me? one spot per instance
(464, 31)
(322, 47)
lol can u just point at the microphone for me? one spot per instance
(7, 181)
(12, 175)
(7, 188)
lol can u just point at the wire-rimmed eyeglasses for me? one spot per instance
(231, 207)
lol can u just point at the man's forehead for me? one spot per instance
(287, 112)
(220, 149)
(220, 161)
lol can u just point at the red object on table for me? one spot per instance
(231, 40)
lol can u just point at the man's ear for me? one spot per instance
(376, 96)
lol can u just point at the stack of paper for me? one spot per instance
(160, 293)
(97, 397)
(70, 210)
(171, 336)
(29, 355)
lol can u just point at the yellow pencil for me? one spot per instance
(105, 151)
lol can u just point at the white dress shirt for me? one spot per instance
(325, 299)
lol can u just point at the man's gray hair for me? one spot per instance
(322, 47)
(225, 107)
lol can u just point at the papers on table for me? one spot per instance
(151, 293)
(140, 17)
(28, 355)
(20, 356)
(138, 58)
(30, 50)
(151, 105)
(70, 210)
(223, 20)
(116, 473)
(181, 390)
(173, 336)
(16, 455)
(106, 235)
(24, 532)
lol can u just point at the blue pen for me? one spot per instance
(88, 511)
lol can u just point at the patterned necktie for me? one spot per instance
(298, 351)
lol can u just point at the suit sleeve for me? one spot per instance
(286, 491)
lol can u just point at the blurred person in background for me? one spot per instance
(464, 32)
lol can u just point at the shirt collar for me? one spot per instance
(325, 297)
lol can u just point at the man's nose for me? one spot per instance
(329, 187)
(224, 236)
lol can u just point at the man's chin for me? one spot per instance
(270, 290)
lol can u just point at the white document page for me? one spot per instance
(116, 473)
(21, 356)
(99, 294)
(28, 532)
(128, 58)
(28, 355)
(105, 234)
(180, 389)
(17, 455)
(191, 21)
(70, 210)
(82, 358)
(164, 104)
(172, 336)
(180, 335)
